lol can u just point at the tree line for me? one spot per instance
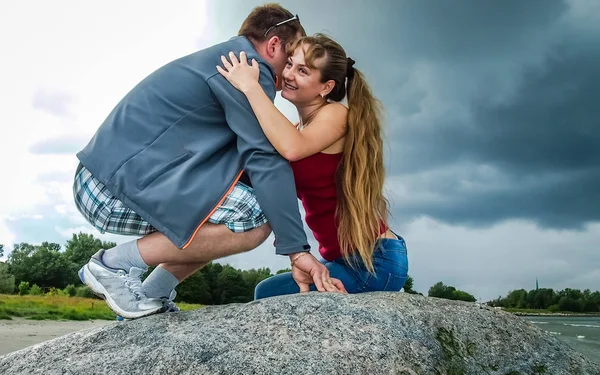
(48, 269)
(571, 300)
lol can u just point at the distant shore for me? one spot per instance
(548, 313)
(557, 314)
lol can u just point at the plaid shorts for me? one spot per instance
(239, 211)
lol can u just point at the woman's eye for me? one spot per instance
(303, 71)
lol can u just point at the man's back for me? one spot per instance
(177, 142)
(176, 94)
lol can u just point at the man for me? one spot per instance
(168, 163)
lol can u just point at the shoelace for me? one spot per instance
(171, 307)
(135, 285)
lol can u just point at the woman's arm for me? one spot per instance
(327, 128)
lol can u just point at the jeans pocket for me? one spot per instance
(394, 283)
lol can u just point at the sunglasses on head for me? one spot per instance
(282, 22)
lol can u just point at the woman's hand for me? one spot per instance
(242, 76)
(306, 270)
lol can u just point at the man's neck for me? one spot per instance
(259, 47)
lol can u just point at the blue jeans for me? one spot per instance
(390, 261)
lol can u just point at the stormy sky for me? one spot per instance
(492, 122)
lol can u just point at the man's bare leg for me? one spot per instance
(164, 278)
(211, 242)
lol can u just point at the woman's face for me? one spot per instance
(301, 84)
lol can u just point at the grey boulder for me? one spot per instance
(315, 333)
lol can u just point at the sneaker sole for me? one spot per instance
(88, 279)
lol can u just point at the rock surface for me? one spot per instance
(316, 333)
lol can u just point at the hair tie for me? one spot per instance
(350, 69)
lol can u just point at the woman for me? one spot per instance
(336, 153)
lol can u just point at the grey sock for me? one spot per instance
(124, 256)
(159, 283)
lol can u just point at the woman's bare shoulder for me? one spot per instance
(333, 111)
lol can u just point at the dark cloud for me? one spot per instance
(467, 30)
(565, 200)
(542, 139)
(54, 102)
(469, 85)
(492, 130)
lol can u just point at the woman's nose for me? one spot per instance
(288, 75)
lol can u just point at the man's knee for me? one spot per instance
(259, 235)
(253, 238)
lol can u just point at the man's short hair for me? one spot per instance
(263, 18)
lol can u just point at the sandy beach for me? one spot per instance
(20, 333)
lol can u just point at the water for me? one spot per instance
(571, 330)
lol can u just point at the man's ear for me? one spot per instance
(273, 44)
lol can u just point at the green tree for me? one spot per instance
(80, 248)
(35, 290)
(23, 288)
(440, 290)
(567, 303)
(461, 295)
(78, 251)
(216, 284)
(43, 265)
(195, 289)
(591, 302)
(70, 290)
(283, 271)
(568, 299)
(7, 281)
(1, 250)
(542, 298)
(232, 286)
(254, 276)
(515, 298)
(85, 292)
(211, 272)
(408, 285)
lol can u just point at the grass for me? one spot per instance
(59, 308)
(188, 306)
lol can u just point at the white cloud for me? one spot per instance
(69, 64)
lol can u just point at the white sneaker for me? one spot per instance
(122, 290)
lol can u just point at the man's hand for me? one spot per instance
(306, 270)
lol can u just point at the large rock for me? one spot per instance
(378, 333)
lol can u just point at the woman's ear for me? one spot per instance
(327, 87)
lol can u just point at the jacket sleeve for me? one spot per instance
(271, 175)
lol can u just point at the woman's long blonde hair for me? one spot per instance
(362, 209)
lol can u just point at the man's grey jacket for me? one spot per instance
(176, 144)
